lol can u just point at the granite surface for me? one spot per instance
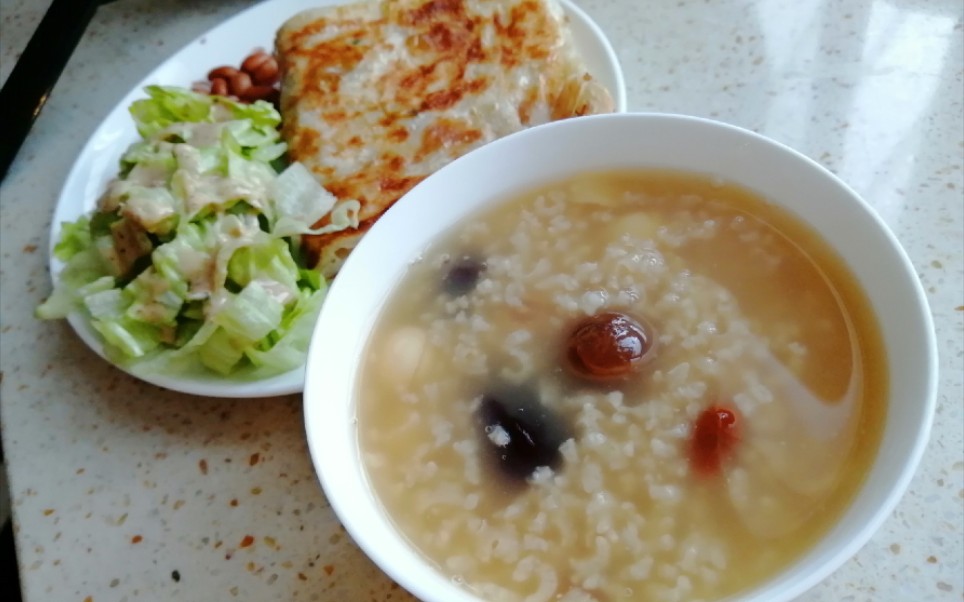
(123, 491)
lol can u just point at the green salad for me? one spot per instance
(191, 261)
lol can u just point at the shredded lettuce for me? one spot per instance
(74, 238)
(269, 264)
(190, 261)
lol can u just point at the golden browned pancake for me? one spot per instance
(376, 96)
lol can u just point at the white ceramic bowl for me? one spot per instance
(547, 153)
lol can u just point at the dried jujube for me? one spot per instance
(607, 346)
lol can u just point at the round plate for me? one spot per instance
(228, 43)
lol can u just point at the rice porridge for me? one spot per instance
(639, 385)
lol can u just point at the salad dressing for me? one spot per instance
(187, 263)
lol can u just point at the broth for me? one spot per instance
(528, 465)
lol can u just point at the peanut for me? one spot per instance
(254, 93)
(255, 60)
(266, 73)
(224, 72)
(239, 83)
(219, 87)
(255, 80)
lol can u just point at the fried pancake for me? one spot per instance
(378, 95)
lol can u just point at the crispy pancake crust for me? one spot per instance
(378, 95)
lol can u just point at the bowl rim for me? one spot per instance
(782, 586)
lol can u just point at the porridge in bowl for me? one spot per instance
(642, 385)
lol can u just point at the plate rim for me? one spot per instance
(113, 131)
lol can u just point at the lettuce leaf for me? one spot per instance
(74, 238)
(223, 288)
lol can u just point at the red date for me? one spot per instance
(607, 346)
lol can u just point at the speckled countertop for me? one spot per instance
(123, 492)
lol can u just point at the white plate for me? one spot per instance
(228, 43)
